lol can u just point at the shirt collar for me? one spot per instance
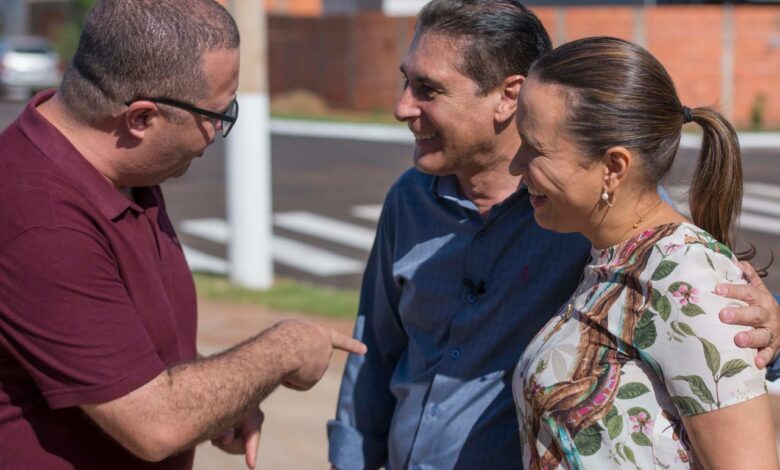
(447, 187)
(57, 148)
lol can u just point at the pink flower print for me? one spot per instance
(682, 456)
(640, 421)
(670, 248)
(686, 294)
(626, 253)
(646, 234)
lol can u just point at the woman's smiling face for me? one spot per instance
(564, 184)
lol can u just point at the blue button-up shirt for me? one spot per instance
(449, 301)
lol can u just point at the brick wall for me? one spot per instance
(723, 56)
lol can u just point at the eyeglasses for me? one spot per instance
(227, 119)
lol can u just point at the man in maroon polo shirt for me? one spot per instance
(98, 366)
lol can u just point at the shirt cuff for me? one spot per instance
(348, 449)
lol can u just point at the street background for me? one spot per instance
(339, 58)
(326, 196)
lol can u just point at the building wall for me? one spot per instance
(728, 56)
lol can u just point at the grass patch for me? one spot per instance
(286, 295)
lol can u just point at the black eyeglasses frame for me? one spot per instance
(231, 120)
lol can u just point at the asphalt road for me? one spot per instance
(329, 177)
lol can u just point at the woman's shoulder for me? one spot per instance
(689, 250)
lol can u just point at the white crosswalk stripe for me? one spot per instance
(760, 206)
(326, 228)
(760, 213)
(286, 251)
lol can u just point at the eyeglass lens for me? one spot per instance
(232, 112)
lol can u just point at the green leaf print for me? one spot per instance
(629, 454)
(676, 327)
(664, 269)
(614, 423)
(711, 354)
(698, 387)
(685, 328)
(709, 261)
(540, 367)
(641, 439)
(645, 332)
(733, 367)
(692, 310)
(632, 390)
(675, 286)
(661, 304)
(688, 406)
(588, 440)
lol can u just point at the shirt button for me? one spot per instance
(434, 410)
(455, 353)
(481, 235)
(471, 298)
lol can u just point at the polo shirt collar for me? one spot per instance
(57, 148)
(447, 187)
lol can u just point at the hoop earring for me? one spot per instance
(605, 198)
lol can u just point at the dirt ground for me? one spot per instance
(294, 434)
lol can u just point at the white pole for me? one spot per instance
(249, 157)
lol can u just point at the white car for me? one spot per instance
(27, 64)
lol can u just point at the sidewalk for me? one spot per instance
(294, 435)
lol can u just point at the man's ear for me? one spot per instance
(507, 104)
(140, 116)
(617, 161)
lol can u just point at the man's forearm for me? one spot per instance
(195, 401)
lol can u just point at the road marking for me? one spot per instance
(313, 260)
(289, 252)
(213, 230)
(370, 212)
(760, 205)
(203, 262)
(325, 228)
(349, 131)
(755, 188)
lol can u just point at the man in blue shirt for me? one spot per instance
(460, 277)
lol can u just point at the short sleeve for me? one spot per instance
(693, 350)
(67, 319)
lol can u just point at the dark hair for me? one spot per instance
(143, 48)
(500, 37)
(620, 95)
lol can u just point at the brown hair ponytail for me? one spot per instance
(716, 188)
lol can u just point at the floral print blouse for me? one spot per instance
(639, 345)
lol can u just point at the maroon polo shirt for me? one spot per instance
(95, 300)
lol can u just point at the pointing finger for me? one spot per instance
(346, 343)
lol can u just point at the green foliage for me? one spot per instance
(285, 295)
(757, 111)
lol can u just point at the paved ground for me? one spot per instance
(294, 432)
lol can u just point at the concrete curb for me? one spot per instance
(400, 134)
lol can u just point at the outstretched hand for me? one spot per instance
(311, 347)
(762, 313)
(244, 438)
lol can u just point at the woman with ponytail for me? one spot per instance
(636, 370)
